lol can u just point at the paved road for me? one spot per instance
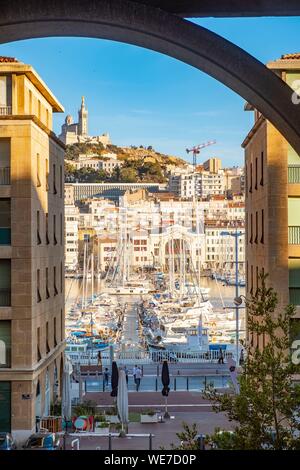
(164, 434)
(178, 401)
(130, 336)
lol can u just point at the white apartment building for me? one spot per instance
(204, 184)
(109, 165)
(208, 184)
(71, 237)
(220, 249)
(93, 162)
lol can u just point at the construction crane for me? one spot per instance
(196, 150)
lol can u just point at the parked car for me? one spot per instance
(43, 441)
(7, 442)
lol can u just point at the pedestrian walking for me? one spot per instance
(138, 376)
(221, 357)
(126, 374)
(99, 359)
(134, 372)
(106, 376)
(242, 358)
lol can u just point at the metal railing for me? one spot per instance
(5, 175)
(5, 110)
(5, 297)
(294, 293)
(294, 235)
(144, 357)
(294, 174)
(152, 383)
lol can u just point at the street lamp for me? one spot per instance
(237, 299)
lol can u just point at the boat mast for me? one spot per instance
(84, 275)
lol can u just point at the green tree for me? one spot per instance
(128, 175)
(266, 412)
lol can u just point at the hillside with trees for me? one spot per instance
(139, 164)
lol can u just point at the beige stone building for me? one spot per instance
(31, 249)
(273, 205)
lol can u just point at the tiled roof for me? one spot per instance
(7, 59)
(296, 55)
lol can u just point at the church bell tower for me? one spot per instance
(83, 119)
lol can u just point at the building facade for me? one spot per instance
(31, 249)
(273, 206)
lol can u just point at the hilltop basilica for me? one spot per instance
(74, 132)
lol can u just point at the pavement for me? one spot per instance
(163, 434)
(177, 401)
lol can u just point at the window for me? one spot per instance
(54, 179)
(61, 277)
(5, 343)
(251, 284)
(54, 281)
(262, 239)
(54, 230)
(5, 94)
(47, 228)
(246, 178)
(250, 188)
(61, 181)
(39, 110)
(54, 332)
(30, 102)
(4, 160)
(38, 287)
(47, 174)
(61, 324)
(251, 228)
(61, 229)
(5, 282)
(38, 344)
(47, 284)
(262, 168)
(256, 171)
(47, 338)
(256, 227)
(257, 279)
(38, 236)
(38, 170)
(5, 221)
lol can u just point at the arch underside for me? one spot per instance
(154, 29)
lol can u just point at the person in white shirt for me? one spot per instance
(138, 376)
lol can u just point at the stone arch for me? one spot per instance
(153, 28)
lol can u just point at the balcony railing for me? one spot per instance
(294, 174)
(4, 175)
(5, 110)
(5, 297)
(5, 236)
(294, 235)
(294, 295)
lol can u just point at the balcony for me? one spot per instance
(294, 235)
(4, 176)
(294, 174)
(5, 110)
(5, 297)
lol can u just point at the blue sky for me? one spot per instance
(144, 98)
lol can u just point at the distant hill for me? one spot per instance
(140, 164)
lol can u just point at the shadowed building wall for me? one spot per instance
(31, 248)
(273, 206)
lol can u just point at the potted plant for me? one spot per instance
(149, 416)
(112, 415)
(102, 427)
